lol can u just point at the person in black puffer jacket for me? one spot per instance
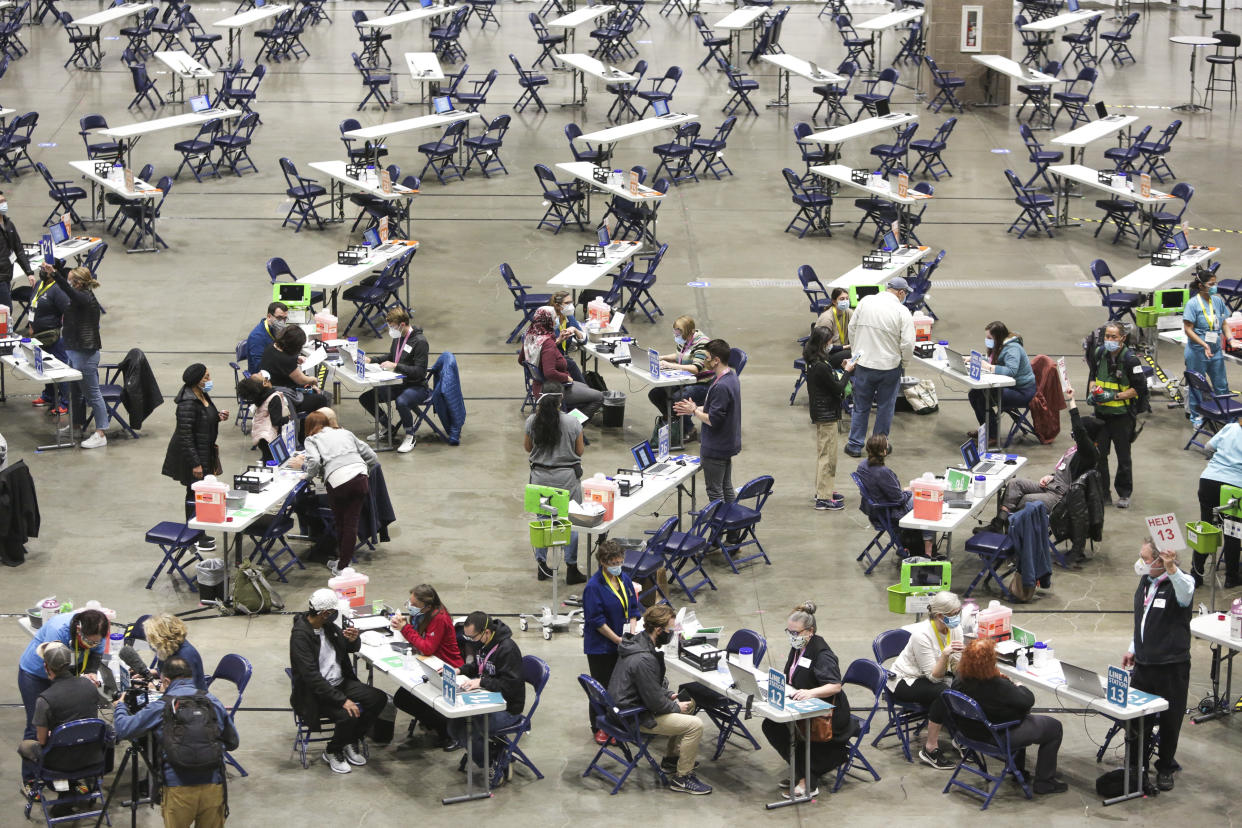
(192, 452)
(826, 379)
(82, 344)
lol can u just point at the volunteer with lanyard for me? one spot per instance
(48, 304)
(610, 608)
(812, 672)
(1204, 322)
(922, 670)
(84, 633)
(837, 320)
(691, 354)
(265, 333)
(1118, 393)
(1224, 468)
(569, 333)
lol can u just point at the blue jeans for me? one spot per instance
(980, 401)
(571, 551)
(1213, 369)
(495, 721)
(878, 387)
(31, 687)
(88, 363)
(407, 397)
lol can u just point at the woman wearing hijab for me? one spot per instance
(192, 451)
(547, 362)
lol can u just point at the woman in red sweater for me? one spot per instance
(540, 352)
(429, 629)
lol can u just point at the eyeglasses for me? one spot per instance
(795, 632)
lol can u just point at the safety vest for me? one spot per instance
(1109, 380)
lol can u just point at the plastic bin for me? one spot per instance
(350, 585)
(210, 579)
(1147, 317)
(995, 622)
(602, 491)
(614, 409)
(209, 497)
(549, 532)
(928, 498)
(1203, 537)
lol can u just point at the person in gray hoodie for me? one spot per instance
(639, 681)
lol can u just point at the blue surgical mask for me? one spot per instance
(843, 305)
(613, 570)
(1111, 345)
(989, 343)
(208, 385)
(1212, 290)
(952, 621)
(679, 340)
(4, 207)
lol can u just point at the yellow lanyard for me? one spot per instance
(620, 593)
(34, 303)
(81, 660)
(937, 632)
(1207, 313)
(841, 331)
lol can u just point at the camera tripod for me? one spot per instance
(136, 751)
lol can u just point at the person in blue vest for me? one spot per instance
(1159, 653)
(1203, 320)
(265, 333)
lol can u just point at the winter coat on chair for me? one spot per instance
(19, 512)
(446, 397)
(141, 393)
(193, 442)
(1049, 399)
(1079, 515)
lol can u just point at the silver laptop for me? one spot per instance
(746, 681)
(957, 362)
(433, 676)
(1086, 682)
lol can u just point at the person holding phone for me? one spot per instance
(923, 670)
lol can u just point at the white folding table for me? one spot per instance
(583, 65)
(182, 67)
(787, 65)
(579, 17)
(236, 23)
(736, 22)
(379, 134)
(951, 519)
(583, 171)
(1079, 174)
(142, 191)
(883, 23)
(339, 180)
(999, 65)
(347, 374)
(427, 73)
(335, 276)
(606, 139)
(886, 190)
(1150, 278)
(54, 372)
(1076, 140)
(100, 19)
(902, 260)
(990, 384)
(130, 134)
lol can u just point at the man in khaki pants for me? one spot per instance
(639, 680)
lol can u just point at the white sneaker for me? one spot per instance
(333, 567)
(337, 762)
(96, 440)
(354, 755)
(407, 445)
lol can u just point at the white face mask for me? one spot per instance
(395, 333)
(4, 207)
(568, 310)
(1142, 567)
(844, 304)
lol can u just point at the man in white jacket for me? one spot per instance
(882, 334)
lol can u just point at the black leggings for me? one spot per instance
(601, 666)
(825, 756)
(1209, 499)
(923, 691)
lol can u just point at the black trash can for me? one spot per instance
(614, 409)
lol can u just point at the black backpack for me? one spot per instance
(190, 737)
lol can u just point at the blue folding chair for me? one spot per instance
(675, 155)
(643, 563)
(196, 151)
(485, 148)
(961, 709)
(945, 83)
(1039, 156)
(814, 206)
(1082, 42)
(476, 97)
(685, 552)
(547, 41)
(144, 85)
(735, 525)
(235, 146)
(894, 157)
(1035, 208)
(1075, 97)
(1022, 425)
(711, 150)
(921, 285)
(929, 150)
(741, 85)
(995, 549)
(639, 284)
(1125, 157)
(441, 154)
(623, 728)
(1118, 49)
(1218, 410)
(711, 41)
(530, 83)
(74, 737)
(1164, 223)
(175, 540)
(535, 672)
(724, 712)
(270, 530)
(883, 517)
(303, 191)
(857, 47)
(1117, 303)
(662, 88)
(62, 191)
(831, 94)
(1155, 153)
(880, 89)
(1038, 94)
(905, 719)
(523, 302)
(816, 294)
(303, 735)
(564, 201)
(374, 81)
(236, 670)
(864, 673)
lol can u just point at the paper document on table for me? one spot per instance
(1064, 376)
(317, 356)
(381, 375)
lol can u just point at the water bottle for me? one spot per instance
(1235, 619)
(938, 353)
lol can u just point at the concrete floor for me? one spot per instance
(460, 524)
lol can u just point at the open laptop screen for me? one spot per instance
(371, 237)
(890, 241)
(881, 108)
(660, 106)
(443, 103)
(1179, 242)
(59, 235)
(280, 452)
(970, 453)
(199, 102)
(601, 233)
(644, 457)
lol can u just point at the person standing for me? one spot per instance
(1224, 468)
(610, 608)
(826, 378)
(1204, 323)
(82, 344)
(48, 304)
(10, 248)
(1118, 393)
(554, 445)
(408, 358)
(721, 419)
(1160, 652)
(882, 335)
(837, 320)
(192, 452)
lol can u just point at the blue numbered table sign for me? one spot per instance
(1118, 686)
(449, 676)
(776, 689)
(975, 367)
(653, 363)
(360, 363)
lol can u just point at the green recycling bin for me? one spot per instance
(1203, 537)
(549, 532)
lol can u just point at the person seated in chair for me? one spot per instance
(837, 320)
(569, 333)
(881, 485)
(496, 668)
(408, 358)
(922, 671)
(281, 360)
(639, 680)
(1003, 355)
(324, 682)
(428, 627)
(540, 351)
(1049, 490)
(68, 698)
(812, 672)
(690, 355)
(265, 333)
(1003, 701)
(273, 407)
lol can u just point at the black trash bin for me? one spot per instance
(614, 409)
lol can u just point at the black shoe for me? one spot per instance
(1053, 786)
(542, 571)
(1233, 581)
(937, 759)
(573, 575)
(1164, 780)
(853, 452)
(448, 745)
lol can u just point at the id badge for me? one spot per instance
(1210, 337)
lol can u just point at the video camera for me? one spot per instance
(137, 695)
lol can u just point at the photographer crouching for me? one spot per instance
(192, 731)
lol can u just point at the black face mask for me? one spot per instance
(663, 637)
